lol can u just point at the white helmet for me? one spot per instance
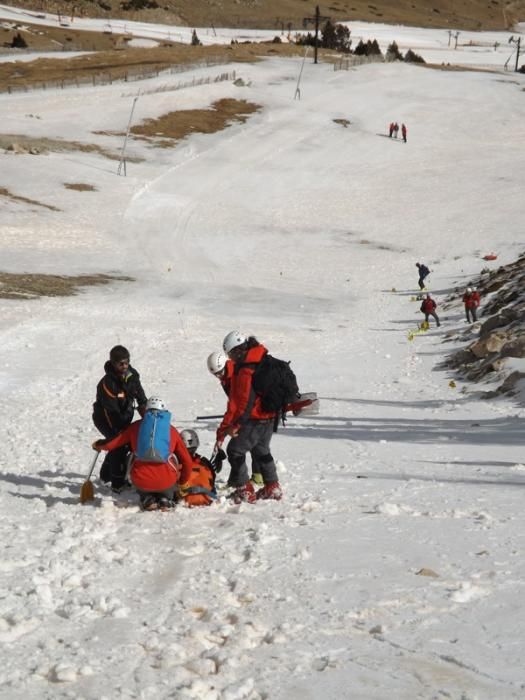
(216, 362)
(233, 340)
(190, 439)
(469, 290)
(155, 404)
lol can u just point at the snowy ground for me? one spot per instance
(405, 583)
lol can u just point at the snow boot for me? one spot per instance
(271, 491)
(165, 503)
(244, 493)
(149, 503)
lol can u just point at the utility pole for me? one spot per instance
(517, 41)
(316, 19)
(122, 164)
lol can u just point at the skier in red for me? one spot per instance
(471, 300)
(404, 132)
(249, 426)
(154, 481)
(428, 307)
(391, 129)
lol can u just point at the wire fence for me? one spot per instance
(194, 82)
(348, 62)
(126, 74)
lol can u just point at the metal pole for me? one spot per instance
(122, 155)
(297, 88)
(517, 54)
(317, 15)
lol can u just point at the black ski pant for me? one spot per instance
(254, 437)
(434, 316)
(421, 283)
(471, 312)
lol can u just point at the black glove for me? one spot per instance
(217, 461)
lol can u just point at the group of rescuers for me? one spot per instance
(159, 486)
(471, 299)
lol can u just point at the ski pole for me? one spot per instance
(208, 417)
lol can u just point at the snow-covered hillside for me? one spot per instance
(393, 567)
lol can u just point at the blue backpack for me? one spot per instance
(153, 441)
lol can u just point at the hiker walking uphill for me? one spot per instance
(428, 307)
(249, 422)
(158, 449)
(471, 301)
(118, 393)
(423, 274)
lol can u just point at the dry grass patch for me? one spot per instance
(17, 198)
(33, 286)
(177, 125)
(79, 187)
(28, 144)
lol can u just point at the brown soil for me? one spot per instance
(177, 125)
(17, 198)
(278, 14)
(32, 286)
(44, 145)
(79, 187)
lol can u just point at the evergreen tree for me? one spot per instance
(195, 41)
(393, 53)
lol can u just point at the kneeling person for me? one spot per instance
(160, 455)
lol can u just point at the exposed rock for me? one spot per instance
(489, 344)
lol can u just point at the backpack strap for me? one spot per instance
(200, 489)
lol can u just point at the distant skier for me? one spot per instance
(154, 478)
(404, 132)
(471, 301)
(428, 307)
(391, 129)
(423, 274)
(117, 393)
(396, 130)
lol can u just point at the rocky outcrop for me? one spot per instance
(501, 334)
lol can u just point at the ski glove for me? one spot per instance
(98, 444)
(217, 460)
(184, 488)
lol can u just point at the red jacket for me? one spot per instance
(227, 375)
(470, 300)
(428, 306)
(152, 476)
(243, 402)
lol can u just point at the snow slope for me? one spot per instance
(393, 568)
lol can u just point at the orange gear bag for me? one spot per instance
(202, 486)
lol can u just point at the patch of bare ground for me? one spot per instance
(18, 198)
(174, 126)
(79, 187)
(33, 286)
(27, 144)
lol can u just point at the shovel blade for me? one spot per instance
(87, 493)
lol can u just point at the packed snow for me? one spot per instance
(393, 567)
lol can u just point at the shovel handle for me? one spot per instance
(92, 466)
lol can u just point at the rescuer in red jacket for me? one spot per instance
(249, 426)
(428, 307)
(154, 481)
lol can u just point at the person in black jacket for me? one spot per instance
(423, 273)
(117, 393)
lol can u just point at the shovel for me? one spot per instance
(87, 492)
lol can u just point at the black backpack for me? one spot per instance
(276, 384)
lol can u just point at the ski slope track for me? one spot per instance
(393, 567)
